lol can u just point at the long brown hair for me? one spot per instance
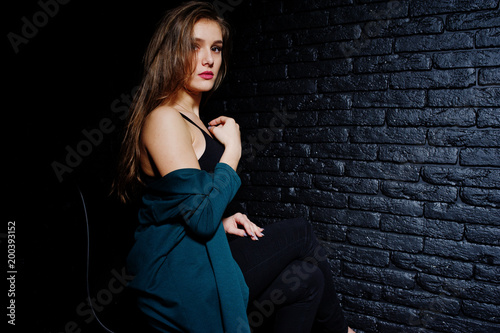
(167, 68)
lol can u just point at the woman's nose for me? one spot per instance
(207, 58)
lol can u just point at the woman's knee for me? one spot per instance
(305, 281)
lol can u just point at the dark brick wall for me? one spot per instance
(380, 122)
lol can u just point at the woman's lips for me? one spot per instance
(206, 75)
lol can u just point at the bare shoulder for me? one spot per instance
(166, 122)
(163, 116)
(168, 141)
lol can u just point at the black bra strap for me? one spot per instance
(192, 122)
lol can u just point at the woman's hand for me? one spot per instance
(227, 131)
(249, 228)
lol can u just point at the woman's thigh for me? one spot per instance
(263, 260)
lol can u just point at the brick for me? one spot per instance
(411, 136)
(335, 267)
(420, 155)
(260, 103)
(344, 151)
(260, 73)
(316, 134)
(465, 97)
(393, 98)
(288, 55)
(328, 34)
(359, 255)
(278, 120)
(419, 191)
(312, 165)
(319, 68)
(392, 63)
(464, 137)
(433, 265)
(402, 27)
(478, 177)
(295, 21)
(463, 251)
(483, 234)
(355, 48)
(422, 300)
(467, 21)
(356, 288)
(422, 226)
(288, 179)
(259, 193)
(382, 170)
(284, 149)
(385, 240)
(361, 321)
(318, 102)
(276, 211)
(394, 313)
(472, 290)
(426, 7)
(481, 197)
(299, 5)
(445, 41)
(488, 37)
(489, 75)
(247, 121)
(330, 232)
(270, 41)
(383, 326)
(462, 213)
(353, 82)
(432, 117)
(457, 78)
(385, 205)
(480, 157)
(473, 58)
(487, 273)
(240, 89)
(386, 276)
(303, 86)
(313, 197)
(368, 12)
(488, 312)
(444, 323)
(265, 9)
(346, 184)
(345, 217)
(352, 117)
(261, 163)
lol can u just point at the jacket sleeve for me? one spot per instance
(197, 196)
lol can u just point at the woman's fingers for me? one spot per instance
(251, 228)
(218, 121)
(225, 129)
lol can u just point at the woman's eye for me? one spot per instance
(217, 49)
(196, 47)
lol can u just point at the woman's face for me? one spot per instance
(207, 59)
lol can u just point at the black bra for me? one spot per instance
(213, 150)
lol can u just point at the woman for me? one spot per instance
(188, 277)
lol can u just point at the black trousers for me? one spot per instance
(290, 282)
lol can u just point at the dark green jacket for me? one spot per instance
(186, 276)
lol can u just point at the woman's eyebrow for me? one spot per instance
(202, 40)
